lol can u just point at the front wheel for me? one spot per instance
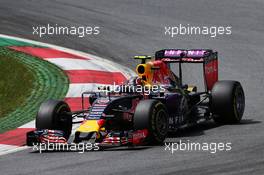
(152, 115)
(228, 102)
(55, 115)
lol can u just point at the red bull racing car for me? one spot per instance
(147, 107)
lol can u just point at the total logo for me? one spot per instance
(139, 134)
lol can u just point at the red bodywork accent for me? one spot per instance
(51, 137)
(139, 136)
(127, 116)
(101, 122)
(211, 73)
(162, 74)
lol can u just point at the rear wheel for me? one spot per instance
(152, 115)
(55, 115)
(228, 102)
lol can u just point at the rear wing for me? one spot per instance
(181, 55)
(207, 57)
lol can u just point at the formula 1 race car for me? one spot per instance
(145, 108)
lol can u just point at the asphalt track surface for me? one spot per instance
(130, 28)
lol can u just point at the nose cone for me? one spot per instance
(89, 126)
(89, 130)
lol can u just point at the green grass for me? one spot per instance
(16, 83)
(26, 82)
(13, 42)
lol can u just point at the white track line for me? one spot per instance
(28, 125)
(7, 149)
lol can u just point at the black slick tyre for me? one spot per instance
(227, 102)
(54, 115)
(152, 115)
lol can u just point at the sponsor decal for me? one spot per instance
(185, 53)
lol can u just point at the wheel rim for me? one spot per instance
(63, 120)
(161, 122)
(239, 102)
(61, 112)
